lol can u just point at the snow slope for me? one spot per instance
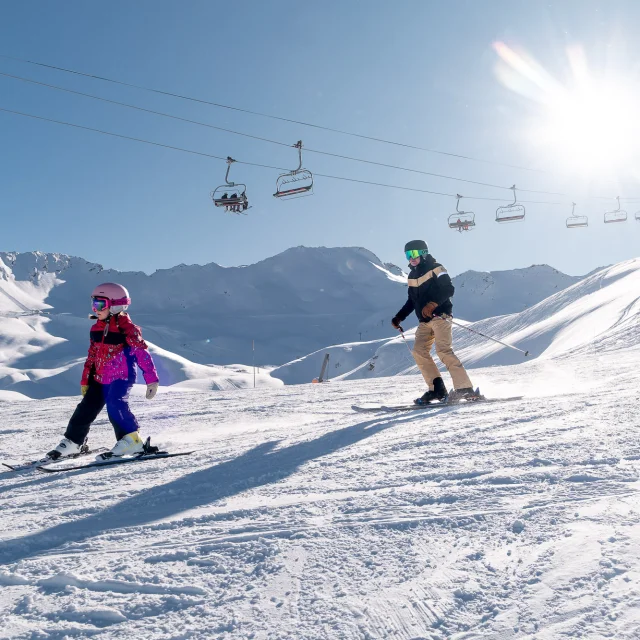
(192, 315)
(600, 312)
(290, 304)
(486, 294)
(300, 518)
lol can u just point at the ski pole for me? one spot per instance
(401, 330)
(504, 344)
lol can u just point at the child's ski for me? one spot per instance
(114, 461)
(46, 460)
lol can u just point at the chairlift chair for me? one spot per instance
(510, 212)
(637, 216)
(617, 215)
(231, 195)
(296, 183)
(461, 220)
(574, 221)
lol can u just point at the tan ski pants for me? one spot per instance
(438, 331)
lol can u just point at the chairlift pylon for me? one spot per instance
(231, 195)
(296, 183)
(510, 212)
(574, 221)
(461, 220)
(618, 215)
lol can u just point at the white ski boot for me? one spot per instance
(128, 445)
(65, 448)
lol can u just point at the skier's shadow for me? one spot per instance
(259, 466)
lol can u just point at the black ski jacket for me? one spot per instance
(428, 282)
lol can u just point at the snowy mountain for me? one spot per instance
(300, 518)
(191, 315)
(290, 305)
(601, 312)
(486, 294)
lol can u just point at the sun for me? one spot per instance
(589, 126)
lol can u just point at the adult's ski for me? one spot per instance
(110, 462)
(433, 405)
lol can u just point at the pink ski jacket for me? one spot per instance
(116, 346)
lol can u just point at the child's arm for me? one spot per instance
(138, 348)
(88, 364)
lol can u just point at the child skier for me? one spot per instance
(108, 375)
(430, 290)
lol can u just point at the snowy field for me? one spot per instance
(300, 518)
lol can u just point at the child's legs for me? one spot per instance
(120, 415)
(86, 412)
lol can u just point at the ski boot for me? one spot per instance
(469, 394)
(67, 448)
(128, 445)
(439, 392)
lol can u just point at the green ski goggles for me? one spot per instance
(414, 253)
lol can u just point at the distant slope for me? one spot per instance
(288, 304)
(482, 294)
(191, 316)
(202, 320)
(598, 314)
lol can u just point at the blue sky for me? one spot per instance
(421, 73)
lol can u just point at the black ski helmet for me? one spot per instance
(416, 244)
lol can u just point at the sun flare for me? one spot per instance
(588, 127)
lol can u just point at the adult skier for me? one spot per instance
(430, 291)
(108, 375)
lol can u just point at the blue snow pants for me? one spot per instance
(116, 397)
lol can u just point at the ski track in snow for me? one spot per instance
(299, 518)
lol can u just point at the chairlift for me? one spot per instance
(637, 216)
(461, 220)
(618, 215)
(296, 183)
(231, 195)
(574, 221)
(510, 212)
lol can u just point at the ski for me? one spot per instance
(25, 466)
(433, 405)
(160, 455)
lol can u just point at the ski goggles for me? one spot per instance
(412, 254)
(100, 304)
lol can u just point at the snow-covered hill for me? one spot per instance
(598, 313)
(486, 294)
(298, 518)
(191, 315)
(288, 305)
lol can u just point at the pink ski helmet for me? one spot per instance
(117, 295)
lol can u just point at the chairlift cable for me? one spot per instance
(273, 117)
(256, 164)
(276, 142)
(263, 139)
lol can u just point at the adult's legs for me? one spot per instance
(422, 353)
(86, 412)
(444, 349)
(120, 414)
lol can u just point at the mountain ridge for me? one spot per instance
(202, 320)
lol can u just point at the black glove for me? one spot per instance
(395, 321)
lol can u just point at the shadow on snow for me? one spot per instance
(262, 465)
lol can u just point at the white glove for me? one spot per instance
(152, 389)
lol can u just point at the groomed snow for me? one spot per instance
(300, 518)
